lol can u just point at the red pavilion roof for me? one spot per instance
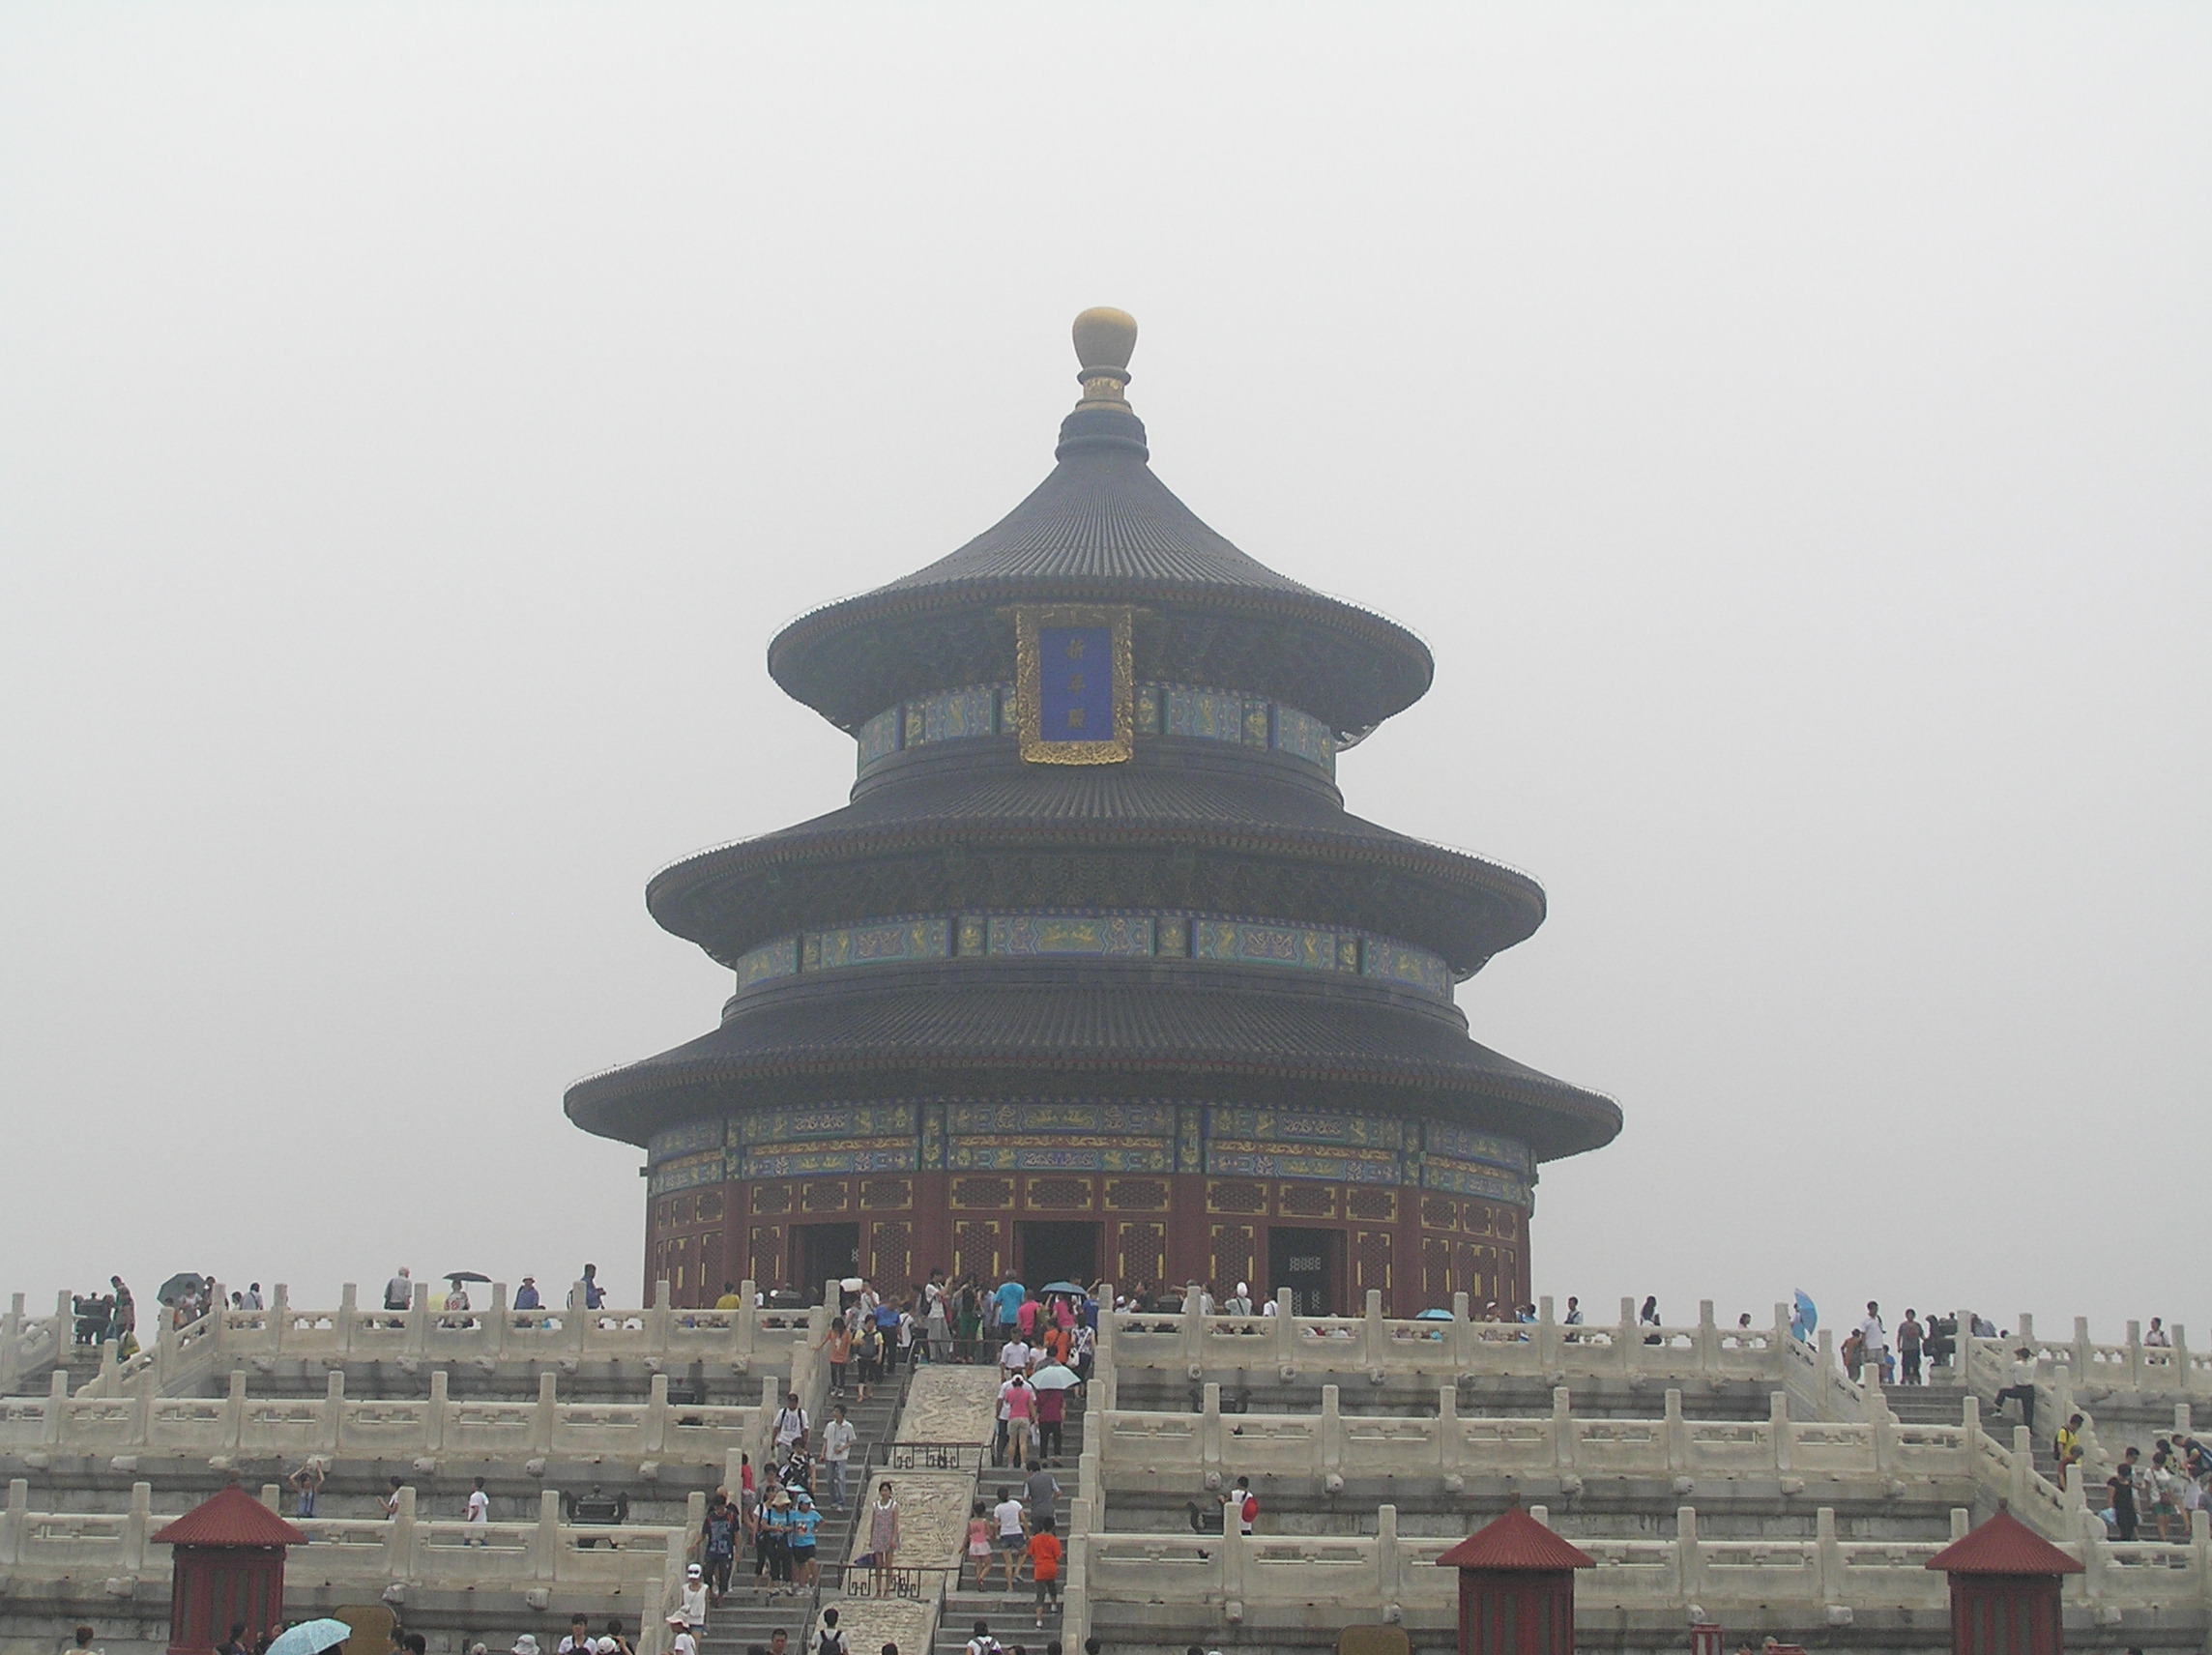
(230, 1518)
(2004, 1546)
(1516, 1541)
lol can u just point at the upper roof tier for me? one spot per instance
(1103, 528)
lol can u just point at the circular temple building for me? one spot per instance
(1095, 976)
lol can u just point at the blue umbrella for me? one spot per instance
(1433, 1315)
(310, 1638)
(1802, 1327)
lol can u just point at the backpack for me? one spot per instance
(983, 1645)
(832, 1642)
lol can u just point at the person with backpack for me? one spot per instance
(792, 1426)
(869, 1355)
(829, 1640)
(984, 1644)
(719, 1543)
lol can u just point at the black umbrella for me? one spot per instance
(176, 1286)
(466, 1276)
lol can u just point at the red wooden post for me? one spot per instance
(1704, 1637)
(1516, 1587)
(227, 1566)
(2004, 1589)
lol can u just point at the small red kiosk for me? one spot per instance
(1516, 1587)
(228, 1566)
(2005, 1581)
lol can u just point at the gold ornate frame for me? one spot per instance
(1029, 702)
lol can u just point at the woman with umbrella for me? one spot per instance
(312, 1637)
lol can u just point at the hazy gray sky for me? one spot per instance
(1790, 426)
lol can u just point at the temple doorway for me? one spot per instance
(1310, 1263)
(820, 1251)
(1057, 1252)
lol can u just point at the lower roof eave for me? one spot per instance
(629, 1104)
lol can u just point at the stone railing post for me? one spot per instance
(332, 1434)
(1075, 1588)
(1233, 1549)
(656, 1422)
(659, 1320)
(497, 1322)
(57, 1408)
(1969, 1428)
(1286, 1327)
(1777, 1355)
(1708, 1338)
(1462, 1334)
(349, 1311)
(137, 1526)
(1689, 1554)
(280, 1317)
(545, 1543)
(1547, 1335)
(1331, 1433)
(2134, 1354)
(547, 1416)
(2022, 1468)
(576, 1318)
(677, 1544)
(1375, 1337)
(1828, 1556)
(18, 1520)
(1678, 1434)
(1781, 1434)
(1193, 1332)
(748, 1319)
(1452, 1440)
(234, 1412)
(2085, 1353)
(11, 1344)
(1628, 1338)
(399, 1542)
(2183, 1377)
(434, 1412)
(419, 1321)
(1562, 1429)
(1390, 1588)
(1208, 1428)
(143, 1417)
(1878, 1418)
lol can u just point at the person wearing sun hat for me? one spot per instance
(695, 1597)
(682, 1642)
(526, 1644)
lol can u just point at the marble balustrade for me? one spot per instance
(1267, 1580)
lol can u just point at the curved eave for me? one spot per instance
(679, 896)
(1282, 1040)
(804, 662)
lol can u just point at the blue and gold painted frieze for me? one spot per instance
(1465, 1144)
(1186, 711)
(1061, 934)
(825, 1120)
(1151, 1119)
(1091, 1135)
(1032, 935)
(1255, 943)
(886, 941)
(688, 1171)
(1461, 1178)
(767, 962)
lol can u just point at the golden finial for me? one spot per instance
(1104, 339)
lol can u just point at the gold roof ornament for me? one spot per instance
(1105, 339)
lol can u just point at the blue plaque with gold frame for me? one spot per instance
(1074, 690)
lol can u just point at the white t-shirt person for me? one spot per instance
(480, 1508)
(837, 1438)
(1008, 1512)
(1015, 1357)
(791, 1426)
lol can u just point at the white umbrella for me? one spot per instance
(310, 1638)
(1056, 1377)
(852, 1284)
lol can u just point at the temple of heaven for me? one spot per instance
(1094, 976)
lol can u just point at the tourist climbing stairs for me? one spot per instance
(754, 1608)
(1946, 1405)
(1011, 1615)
